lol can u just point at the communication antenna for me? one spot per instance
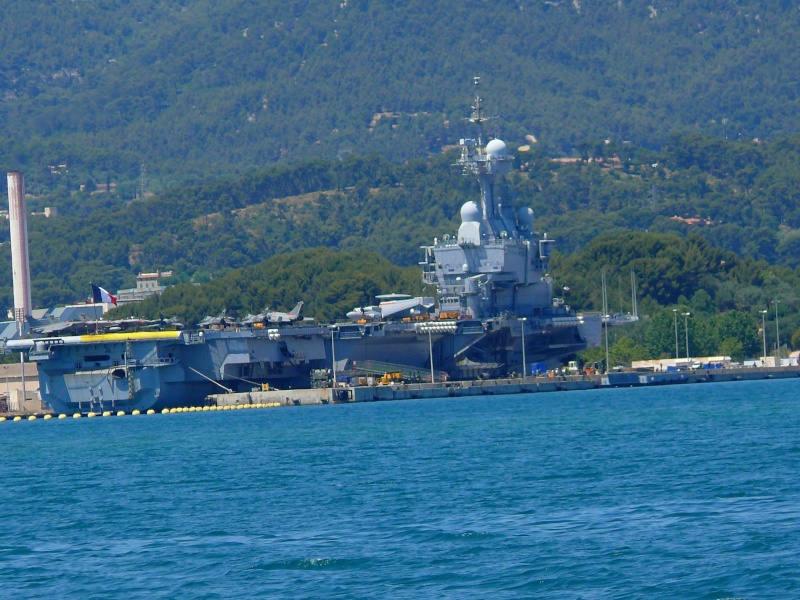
(477, 108)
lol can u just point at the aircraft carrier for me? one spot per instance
(494, 314)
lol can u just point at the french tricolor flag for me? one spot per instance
(100, 295)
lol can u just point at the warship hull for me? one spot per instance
(143, 371)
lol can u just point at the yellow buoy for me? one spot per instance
(62, 416)
(165, 411)
(150, 411)
(17, 418)
(121, 413)
(106, 413)
(32, 418)
(48, 417)
(2, 419)
(76, 416)
(91, 415)
(136, 411)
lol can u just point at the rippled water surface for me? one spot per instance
(673, 492)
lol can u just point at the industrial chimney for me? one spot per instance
(18, 220)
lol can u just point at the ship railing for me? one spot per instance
(193, 337)
(350, 335)
(42, 349)
(151, 361)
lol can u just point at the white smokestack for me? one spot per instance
(18, 220)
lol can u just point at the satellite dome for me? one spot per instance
(525, 217)
(496, 148)
(470, 212)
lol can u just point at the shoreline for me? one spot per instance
(520, 385)
(450, 389)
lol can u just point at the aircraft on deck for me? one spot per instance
(393, 305)
(57, 328)
(85, 325)
(274, 316)
(219, 321)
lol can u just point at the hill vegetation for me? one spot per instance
(330, 283)
(151, 93)
(739, 196)
(208, 137)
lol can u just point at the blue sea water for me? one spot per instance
(672, 492)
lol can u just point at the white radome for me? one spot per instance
(470, 212)
(496, 148)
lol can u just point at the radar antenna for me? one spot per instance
(477, 109)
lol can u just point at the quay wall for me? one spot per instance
(528, 385)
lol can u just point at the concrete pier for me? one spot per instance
(528, 385)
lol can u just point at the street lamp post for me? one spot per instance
(686, 323)
(524, 362)
(764, 334)
(439, 327)
(777, 333)
(430, 351)
(22, 363)
(675, 313)
(333, 355)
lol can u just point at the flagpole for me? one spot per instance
(94, 307)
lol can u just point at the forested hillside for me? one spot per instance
(150, 93)
(739, 196)
(330, 284)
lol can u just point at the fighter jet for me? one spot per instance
(137, 324)
(131, 324)
(219, 321)
(65, 327)
(273, 316)
(170, 323)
